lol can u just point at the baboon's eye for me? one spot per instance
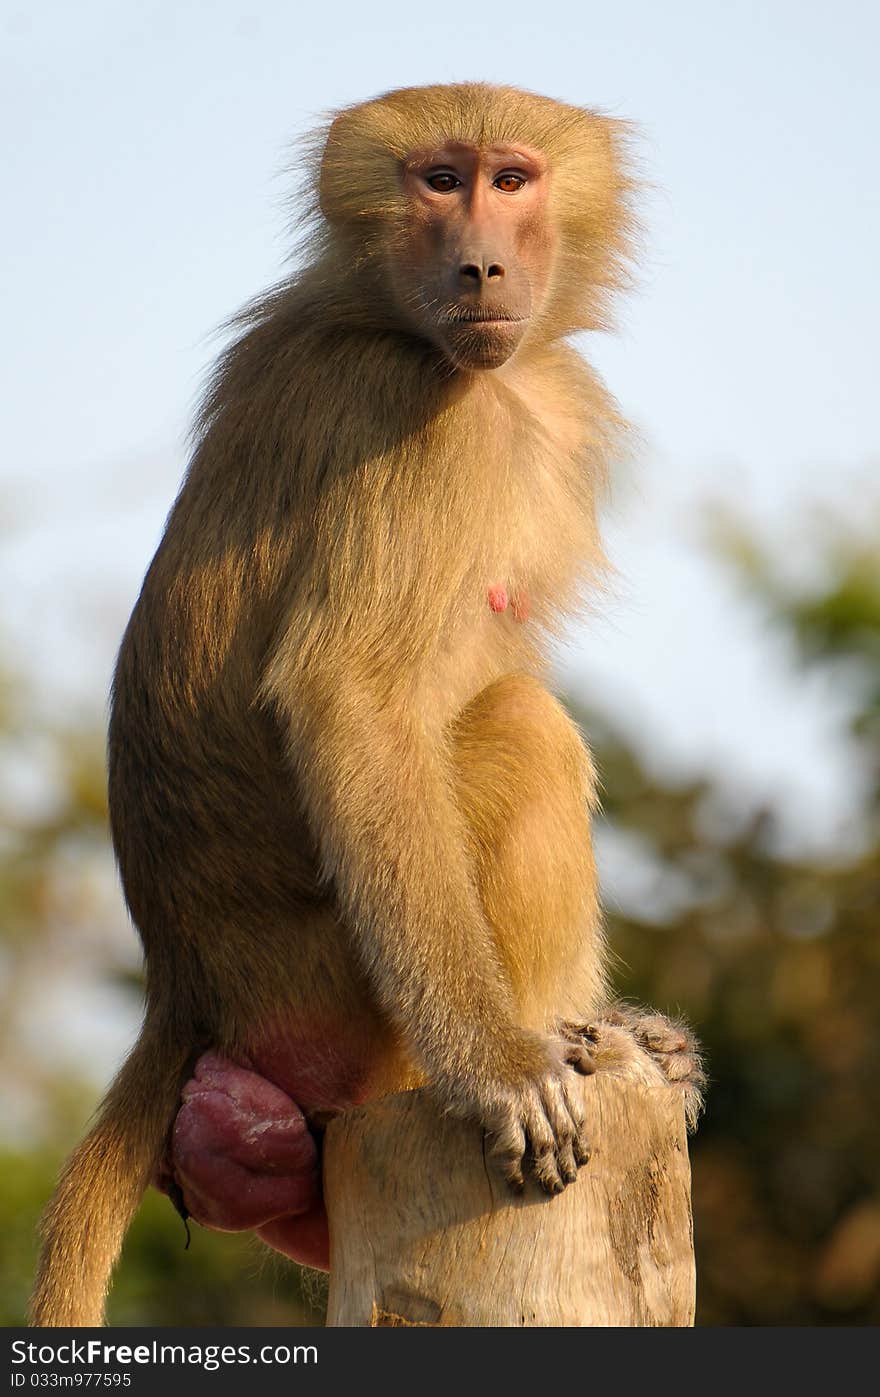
(509, 182)
(444, 181)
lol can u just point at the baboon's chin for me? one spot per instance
(483, 344)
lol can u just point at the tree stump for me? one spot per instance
(422, 1234)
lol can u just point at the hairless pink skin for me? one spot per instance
(520, 606)
(242, 1153)
(244, 1158)
(498, 598)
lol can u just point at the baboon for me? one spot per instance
(351, 821)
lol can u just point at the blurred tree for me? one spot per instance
(775, 959)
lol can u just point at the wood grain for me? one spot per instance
(422, 1234)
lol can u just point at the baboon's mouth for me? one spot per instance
(479, 317)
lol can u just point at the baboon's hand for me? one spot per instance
(537, 1125)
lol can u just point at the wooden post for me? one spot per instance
(421, 1234)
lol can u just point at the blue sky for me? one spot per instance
(143, 204)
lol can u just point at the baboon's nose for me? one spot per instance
(476, 272)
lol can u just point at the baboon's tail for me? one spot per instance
(103, 1182)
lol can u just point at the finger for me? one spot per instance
(507, 1147)
(563, 1110)
(512, 1173)
(580, 1058)
(581, 1147)
(580, 1140)
(571, 1032)
(614, 1015)
(678, 1067)
(565, 1160)
(543, 1146)
(546, 1171)
(660, 1034)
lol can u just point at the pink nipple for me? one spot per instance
(498, 598)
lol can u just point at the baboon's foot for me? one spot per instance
(623, 1036)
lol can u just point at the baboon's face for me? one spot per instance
(474, 254)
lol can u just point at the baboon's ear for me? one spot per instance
(329, 192)
(359, 170)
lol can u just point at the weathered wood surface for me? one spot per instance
(421, 1234)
